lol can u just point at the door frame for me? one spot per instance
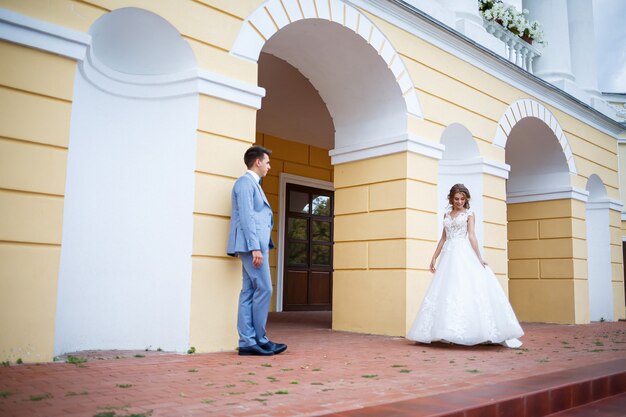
(283, 180)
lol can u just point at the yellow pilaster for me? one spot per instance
(385, 232)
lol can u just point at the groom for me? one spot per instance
(250, 238)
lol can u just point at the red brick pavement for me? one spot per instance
(323, 371)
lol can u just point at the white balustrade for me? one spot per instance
(518, 51)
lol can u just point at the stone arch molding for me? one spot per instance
(531, 108)
(272, 16)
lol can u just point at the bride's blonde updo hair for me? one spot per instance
(459, 188)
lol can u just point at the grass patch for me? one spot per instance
(139, 355)
(191, 350)
(287, 369)
(543, 360)
(192, 370)
(230, 386)
(5, 394)
(261, 400)
(207, 401)
(266, 365)
(19, 361)
(369, 376)
(76, 360)
(266, 394)
(236, 393)
(472, 371)
(272, 378)
(316, 383)
(281, 392)
(398, 366)
(294, 382)
(251, 373)
(249, 381)
(105, 414)
(123, 385)
(316, 369)
(40, 397)
(595, 350)
(74, 394)
(328, 389)
(598, 343)
(405, 371)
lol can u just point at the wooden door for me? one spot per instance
(308, 252)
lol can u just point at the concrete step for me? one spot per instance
(536, 396)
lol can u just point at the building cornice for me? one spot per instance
(416, 22)
(24, 30)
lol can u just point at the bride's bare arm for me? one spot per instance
(471, 234)
(438, 250)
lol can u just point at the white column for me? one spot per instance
(555, 64)
(582, 45)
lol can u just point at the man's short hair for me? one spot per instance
(253, 153)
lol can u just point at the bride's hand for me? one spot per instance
(483, 263)
(432, 266)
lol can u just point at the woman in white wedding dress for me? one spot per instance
(464, 303)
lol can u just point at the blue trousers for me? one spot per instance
(254, 300)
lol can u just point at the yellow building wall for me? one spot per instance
(36, 91)
(548, 261)
(401, 231)
(385, 234)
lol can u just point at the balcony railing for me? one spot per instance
(516, 50)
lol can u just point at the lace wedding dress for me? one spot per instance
(464, 303)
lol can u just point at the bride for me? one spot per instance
(464, 303)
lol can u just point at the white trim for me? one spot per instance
(478, 165)
(24, 30)
(548, 194)
(283, 180)
(410, 19)
(388, 146)
(605, 204)
(230, 89)
(192, 81)
(539, 111)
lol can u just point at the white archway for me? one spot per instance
(599, 251)
(125, 274)
(357, 72)
(525, 108)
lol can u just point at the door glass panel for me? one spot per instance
(321, 231)
(298, 202)
(321, 205)
(321, 255)
(297, 228)
(298, 253)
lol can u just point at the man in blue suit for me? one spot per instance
(250, 238)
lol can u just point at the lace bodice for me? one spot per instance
(456, 227)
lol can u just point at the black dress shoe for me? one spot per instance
(274, 347)
(255, 350)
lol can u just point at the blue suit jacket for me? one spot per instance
(251, 218)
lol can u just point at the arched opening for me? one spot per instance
(599, 251)
(125, 271)
(326, 88)
(542, 224)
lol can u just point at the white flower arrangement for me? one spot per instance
(511, 19)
